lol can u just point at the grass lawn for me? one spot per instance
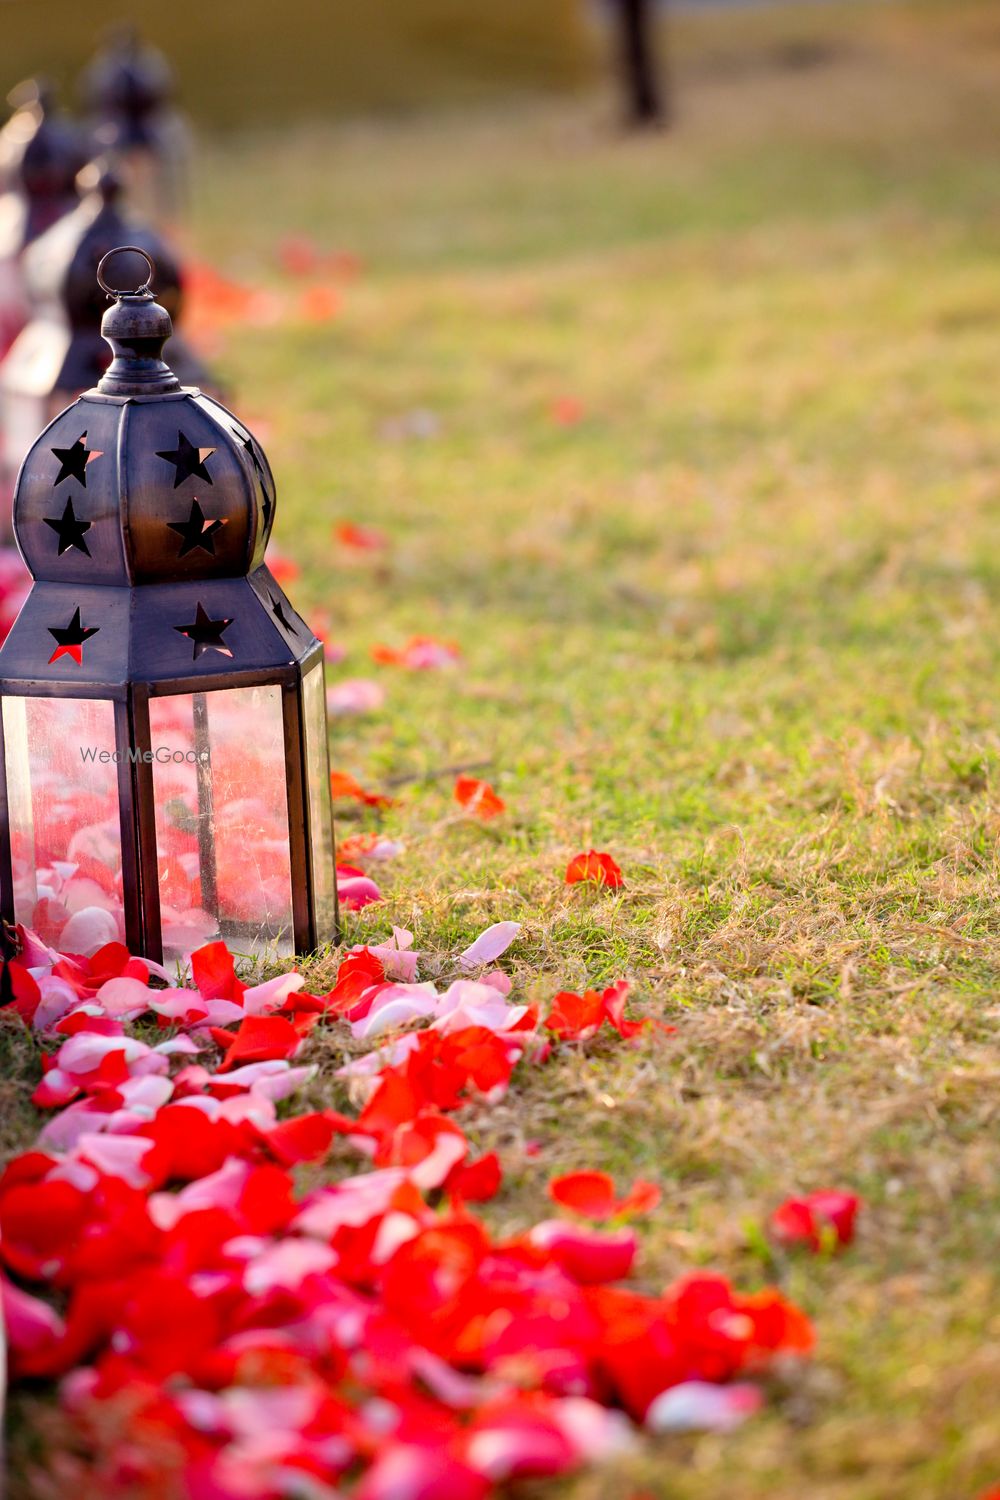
(738, 624)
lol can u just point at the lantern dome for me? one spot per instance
(144, 481)
(128, 86)
(163, 740)
(41, 152)
(129, 89)
(168, 487)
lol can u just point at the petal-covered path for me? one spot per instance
(219, 1333)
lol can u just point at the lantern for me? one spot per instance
(61, 352)
(164, 744)
(40, 155)
(128, 90)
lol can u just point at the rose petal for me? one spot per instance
(489, 945)
(697, 1406)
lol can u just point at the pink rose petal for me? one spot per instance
(697, 1406)
(397, 958)
(117, 1156)
(394, 1007)
(355, 695)
(286, 1265)
(264, 998)
(30, 1323)
(124, 997)
(489, 944)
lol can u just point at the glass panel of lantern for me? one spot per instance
(222, 844)
(317, 780)
(65, 838)
(164, 724)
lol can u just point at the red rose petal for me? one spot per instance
(259, 1039)
(478, 798)
(595, 867)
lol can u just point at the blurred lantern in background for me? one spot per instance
(41, 152)
(128, 93)
(60, 352)
(165, 764)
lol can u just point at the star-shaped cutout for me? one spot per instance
(196, 531)
(206, 633)
(278, 607)
(69, 530)
(70, 638)
(267, 503)
(188, 461)
(73, 462)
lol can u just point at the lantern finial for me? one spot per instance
(136, 327)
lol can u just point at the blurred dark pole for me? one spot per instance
(646, 104)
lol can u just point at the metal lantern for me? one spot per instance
(164, 741)
(128, 90)
(60, 352)
(40, 155)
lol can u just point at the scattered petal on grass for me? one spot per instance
(263, 1337)
(817, 1221)
(577, 1018)
(592, 1194)
(368, 846)
(344, 786)
(124, 997)
(397, 956)
(301, 255)
(567, 411)
(303, 1137)
(319, 303)
(589, 1256)
(285, 1266)
(33, 1329)
(214, 301)
(478, 798)
(284, 569)
(298, 254)
(359, 538)
(489, 945)
(355, 889)
(420, 653)
(476, 1182)
(259, 1038)
(595, 867)
(395, 1006)
(697, 1406)
(421, 1473)
(355, 695)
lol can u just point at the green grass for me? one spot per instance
(739, 626)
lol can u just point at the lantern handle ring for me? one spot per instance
(124, 291)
